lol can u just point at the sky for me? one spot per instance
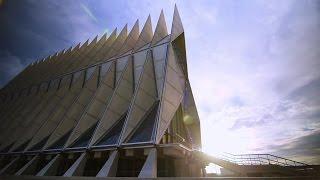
(253, 65)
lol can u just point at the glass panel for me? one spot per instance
(112, 136)
(178, 131)
(60, 142)
(65, 81)
(39, 145)
(22, 146)
(84, 139)
(144, 132)
(76, 76)
(104, 69)
(89, 72)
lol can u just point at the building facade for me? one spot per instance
(120, 105)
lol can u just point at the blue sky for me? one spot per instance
(253, 65)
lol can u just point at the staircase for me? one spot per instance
(261, 165)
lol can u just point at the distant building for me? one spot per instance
(120, 105)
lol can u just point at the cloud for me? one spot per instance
(10, 66)
(33, 30)
(304, 148)
(255, 74)
(88, 11)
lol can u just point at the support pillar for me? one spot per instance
(30, 166)
(5, 168)
(51, 168)
(77, 167)
(181, 168)
(109, 169)
(149, 169)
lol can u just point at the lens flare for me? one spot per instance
(188, 120)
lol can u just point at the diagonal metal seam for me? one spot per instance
(52, 111)
(162, 96)
(107, 132)
(97, 87)
(133, 101)
(46, 102)
(87, 107)
(78, 94)
(110, 101)
(133, 131)
(61, 122)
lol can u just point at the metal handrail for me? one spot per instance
(260, 159)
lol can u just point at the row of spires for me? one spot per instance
(112, 46)
(146, 33)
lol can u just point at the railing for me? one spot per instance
(260, 159)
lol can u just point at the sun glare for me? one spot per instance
(217, 140)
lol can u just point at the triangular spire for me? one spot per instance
(161, 29)
(178, 40)
(106, 46)
(62, 52)
(85, 44)
(113, 34)
(95, 40)
(54, 55)
(76, 47)
(98, 45)
(145, 35)
(131, 39)
(68, 50)
(177, 27)
(103, 37)
(118, 42)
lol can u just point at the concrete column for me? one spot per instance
(77, 167)
(51, 168)
(204, 172)
(109, 169)
(195, 169)
(149, 169)
(30, 166)
(181, 168)
(5, 168)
